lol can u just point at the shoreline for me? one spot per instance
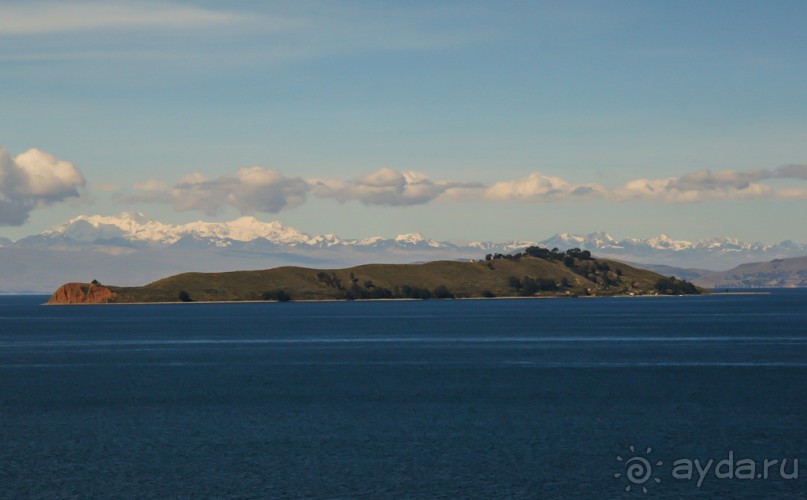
(399, 299)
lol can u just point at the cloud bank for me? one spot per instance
(36, 179)
(32, 180)
(706, 185)
(255, 189)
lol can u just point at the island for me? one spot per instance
(535, 272)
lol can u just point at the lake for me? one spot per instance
(459, 398)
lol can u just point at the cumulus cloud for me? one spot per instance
(250, 190)
(32, 180)
(540, 187)
(387, 186)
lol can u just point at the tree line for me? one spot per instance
(542, 253)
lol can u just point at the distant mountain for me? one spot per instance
(133, 249)
(140, 230)
(711, 253)
(137, 230)
(689, 274)
(777, 273)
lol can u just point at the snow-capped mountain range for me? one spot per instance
(136, 229)
(131, 248)
(663, 243)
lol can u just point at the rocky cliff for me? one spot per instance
(82, 293)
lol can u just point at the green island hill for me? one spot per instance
(535, 272)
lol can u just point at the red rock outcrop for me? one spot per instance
(82, 293)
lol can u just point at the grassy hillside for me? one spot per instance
(776, 273)
(559, 274)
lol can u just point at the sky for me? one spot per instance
(464, 121)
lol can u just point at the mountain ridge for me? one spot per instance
(132, 249)
(778, 273)
(135, 227)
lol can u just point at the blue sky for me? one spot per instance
(461, 120)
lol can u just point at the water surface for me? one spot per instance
(465, 398)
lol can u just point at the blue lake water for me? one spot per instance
(465, 398)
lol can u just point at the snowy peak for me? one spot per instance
(243, 229)
(733, 244)
(126, 225)
(664, 242)
(569, 238)
(325, 241)
(136, 227)
(373, 240)
(123, 220)
(413, 238)
(587, 242)
(602, 241)
(417, 239)
(492, 246)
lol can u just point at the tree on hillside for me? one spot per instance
(673, 286)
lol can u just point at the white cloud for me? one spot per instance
(32, 180)
(45, 175)
(36, 17)
(385, 186)
(250, 190)
(540, 187)
(706, 185)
